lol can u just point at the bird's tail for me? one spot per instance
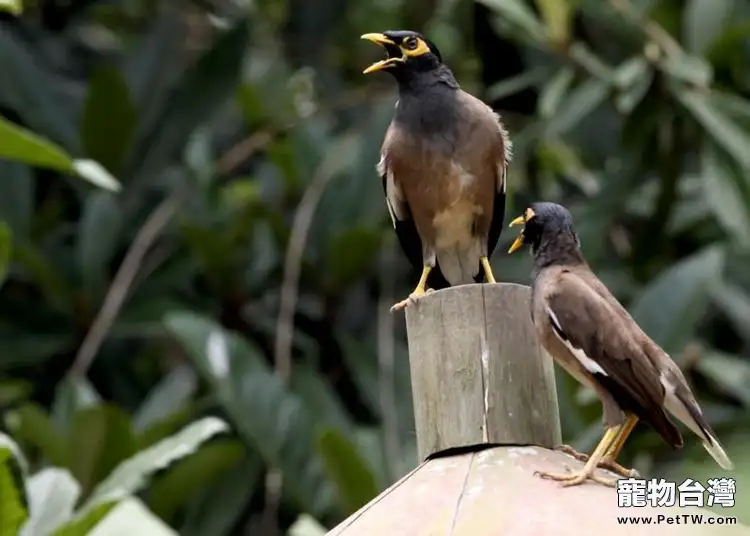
(459, 266)
(680, 402)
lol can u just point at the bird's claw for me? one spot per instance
(576, 479)
(567, 449)
(411, 300)
(606, 463)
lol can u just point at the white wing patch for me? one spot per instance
(502, 170)
(393, 194)
(589, 364)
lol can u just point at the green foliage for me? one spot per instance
(211, 135)
(354, 479)
(53, 493)
(13, 506)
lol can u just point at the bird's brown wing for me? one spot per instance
(400, 213)
(611, 347)
(491, 149)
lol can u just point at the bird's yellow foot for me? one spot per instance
(605, 463)
(576, 479)
(411, 300)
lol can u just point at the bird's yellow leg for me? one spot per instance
(418, 292)
(487, 269)
(608, 461)
(589, 470)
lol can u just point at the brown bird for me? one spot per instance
(443, 166)
(591, 335)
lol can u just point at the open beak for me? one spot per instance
(518, 242)
(391, 49)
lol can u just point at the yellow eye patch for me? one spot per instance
(414, 46)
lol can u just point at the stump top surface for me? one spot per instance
(494, 492)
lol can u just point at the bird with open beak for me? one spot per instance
(591, 335)
(443, 166)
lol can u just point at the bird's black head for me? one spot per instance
(548, 228)
(408, 53)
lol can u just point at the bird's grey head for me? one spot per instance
(548, 228)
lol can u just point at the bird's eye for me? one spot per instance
(411, 43)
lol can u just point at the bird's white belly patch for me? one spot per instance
(454, 224)
(465, 179)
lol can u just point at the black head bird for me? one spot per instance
(443, 165)
(591, 335)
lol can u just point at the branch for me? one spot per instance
(303, 218)
(118, 290)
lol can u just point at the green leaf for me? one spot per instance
(109, 119)
(519, 14)
(131, 516)
(554, 91)
(13, 510)
(81, 525)
(281, 428)
(35, 93)
(557, 16)
(191, 474)
(726, 133)
(688, 68)
(132, 474)
(18, 144)
(218, 507)
(17, 198)
(518, 83)
(306, 525)
(21, 145)
(101, 437)
(580, 102)
(670, 307)
(319, 397)
(704, 21)
(172, 392)
(98, 231)
(729, 372)
(53, 493)
(353, 475)
(6, 246)
(30, 423)
(203, 88)
(350, 254)
(735, 303)
(72, 394)
(14, 7)
(727, 191)
(93, 172)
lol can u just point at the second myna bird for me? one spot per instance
(443, 165)
(591, 335)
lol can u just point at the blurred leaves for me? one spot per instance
(670, 307)
(354, 479)
(636, 118)
(281, 427)
(20, 145)
(109, 119)
(13, 509)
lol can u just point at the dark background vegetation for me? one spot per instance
(246, 266)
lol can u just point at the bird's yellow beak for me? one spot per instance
(520, 220)
(389, 45)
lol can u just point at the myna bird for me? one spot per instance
(443, 165)
(591, 335)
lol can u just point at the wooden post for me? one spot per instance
(478, 373)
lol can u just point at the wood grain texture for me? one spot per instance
(478, 373)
